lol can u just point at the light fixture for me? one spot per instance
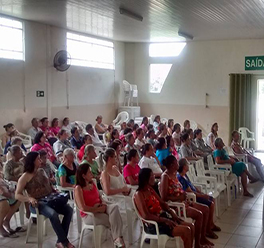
(187, 36)
(130, 14)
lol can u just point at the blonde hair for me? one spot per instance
(67, 152)
(87, 150)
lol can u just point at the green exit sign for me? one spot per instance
(40, 93)
(254, 63)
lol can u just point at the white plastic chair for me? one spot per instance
(164, 121)
(134, 94)
(127, 92)
(161, 238)
(98, 150)
(151, 119)
(26, 139)
(193, 125)
(245, 139)
(121, 117)
(229, 177)
(81, 125)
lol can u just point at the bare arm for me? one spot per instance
(228, 161)
(20, 188)
(132, 181)
(63, 182)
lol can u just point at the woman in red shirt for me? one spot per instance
(131, 170)
(87, 140)
(88, 200)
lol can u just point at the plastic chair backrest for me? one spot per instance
(243, 131)
(210, 162)
(151, 119)
(191, 173)
(200, 168)
(122, 117)
(193, 125)
(127, 86)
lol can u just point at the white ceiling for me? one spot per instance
(203, 19)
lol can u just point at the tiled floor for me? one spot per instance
(242, 226)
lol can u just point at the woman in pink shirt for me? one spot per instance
(131, 170)
(55, 126)
(144, 124)
(40, 143)
(88, 199)
(45, 127)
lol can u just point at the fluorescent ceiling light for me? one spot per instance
(130, 14)
(187, 36)
(166, 49)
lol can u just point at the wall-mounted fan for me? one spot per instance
(62, 60)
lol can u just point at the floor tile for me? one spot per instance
(252, 222)
(227, 228)
(243, 241)
(223, 238)
(253, 214)
(249, 231)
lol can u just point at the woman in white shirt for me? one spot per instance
(212, 136)
(150, 160)
(156, 123)
(140, 138)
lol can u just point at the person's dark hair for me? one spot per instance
(131, 123)
(168, 140)
(34, 119)
(139, 131)
(38, 137)
(170, 122)
(86, 137)
(53, 122)
(196, 132)
(61, 132)
(212, 128)
(145, 148)
(189, 131)
(115, 144)
(168, 161)
(64, 120)
(186, 122)
(156, 118)
(43, 119)
(129, 137)
(184, 137)
(145, 118)
(98, 117)
(82, 170)
(88, 127)
(143, 178)
(128, 130)
(29, 162)
(149, 126)
(161, 127)
(234, 133)
(182, 163)
(128, 156)
(148, 134)
(135, 127)
(73, 130)
(160, 144)
(7, 126)
(175, 127)
(42, 153)
(104, 156)
(217, 142)
(15, 140)
(14, 149)
(114, 132)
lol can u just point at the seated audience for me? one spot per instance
(170, 127)
(67, 170)
(87, 141)
(150, 126)
(96, 141)
(151, 137)
(140, 139)
(152, 207)
(38, 188)
(45, 128)
(108, 133)
(162, 131)
(66, 125)
(130, 142)
(61, 144)
(200, 197)
(176, 135)
(117, 146)
(144, 124)
(150, 160)
(162, 151)
(156, 123)
(14, 168)
(8, 207)
(9, 128)
(194, 148)
(238, 168)
(131, 170)
(14, 141)
(113, 182)
(40, 143)
(172, 190)
(55, 126)
(114, 135)
(89, 158)
(76, 139)
(88, 200)
(212, 136)
(131, 123)
(47, 166)
(171, 146)
(238, 149)
(186, 126)
(100, 127)
(34, 129)
(186, 150)
(135, 128)
(123, 137)
(200, 144)
(123, 127)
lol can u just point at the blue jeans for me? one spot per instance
(61, 228)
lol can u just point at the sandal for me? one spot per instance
(119, 243)
(211, 235)
(216, 229)
(20, 229)
(7, 235)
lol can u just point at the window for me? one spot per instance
(158, 75)
(90, 52)
(166, 49)
(11, 41)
